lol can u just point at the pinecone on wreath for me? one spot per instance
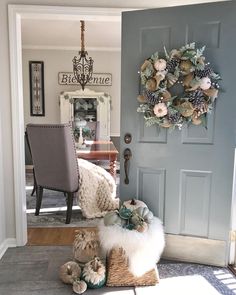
(172, 64)
(174, 117)
(206, 72)
(197, 99)
(151, 97)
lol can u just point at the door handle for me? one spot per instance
(127, 156)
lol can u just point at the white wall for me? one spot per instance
(5, 94)
(61, 61)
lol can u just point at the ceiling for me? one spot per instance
(100, 34)
(66, 34)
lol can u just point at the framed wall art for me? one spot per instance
(36, 76)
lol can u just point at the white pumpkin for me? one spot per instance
(134, 204)
(113, 218)
(144, 213)
(79, 287)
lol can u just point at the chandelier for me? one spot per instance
(82, 65)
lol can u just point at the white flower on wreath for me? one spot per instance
(160, 65)
(205, 83)
(160, 109)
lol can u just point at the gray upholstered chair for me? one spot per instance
(55, 162)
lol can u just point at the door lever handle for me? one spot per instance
(127, 156)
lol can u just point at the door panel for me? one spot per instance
(195, 189)
(184, 176)
(151, 189)
(154, 135)
(194, 134)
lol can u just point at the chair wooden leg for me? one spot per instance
(39, 195)
(70, 197)
(35, 184)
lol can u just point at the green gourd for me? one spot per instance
(94, 273)
(113, 218)
(144, 213)
(136, 219)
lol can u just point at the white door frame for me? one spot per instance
(232, 249)
(15, 14)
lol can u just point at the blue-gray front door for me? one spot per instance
(184, 176)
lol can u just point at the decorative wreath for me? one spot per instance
(178, 89)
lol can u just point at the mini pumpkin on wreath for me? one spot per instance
(160, 76)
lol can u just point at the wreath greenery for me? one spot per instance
(182, 70)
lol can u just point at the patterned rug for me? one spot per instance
(176, 273)
(53, 209)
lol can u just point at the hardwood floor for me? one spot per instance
(52, 236)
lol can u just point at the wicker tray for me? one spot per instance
(119, 275)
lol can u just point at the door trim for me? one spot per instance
(232, 246)
(15, 14)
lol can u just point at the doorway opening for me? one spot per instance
(17, 13)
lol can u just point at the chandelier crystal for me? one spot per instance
(82, 65)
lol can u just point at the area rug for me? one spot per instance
(53, 209)
(189, 278)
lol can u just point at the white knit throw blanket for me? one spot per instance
(97, 190)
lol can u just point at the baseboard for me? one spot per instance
(7, 243)
(197, 250)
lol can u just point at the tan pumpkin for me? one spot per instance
(187, 80)
(166, 123)
(186, 109)
(151, 84)
(142, 99)
(69, 272)
(171, 80)
(144, 213)
(146, 64)
(86, 245)
(134, 204)
(166, 95)
(212, 92)
(186, 66)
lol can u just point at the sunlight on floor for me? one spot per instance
(28, 187)
(51, 210)
(227, 279)
(184, 285)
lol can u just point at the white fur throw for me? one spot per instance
(97, 190)
(143, 250)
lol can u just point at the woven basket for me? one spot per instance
(118, 273)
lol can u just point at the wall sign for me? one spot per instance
(98, 79)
